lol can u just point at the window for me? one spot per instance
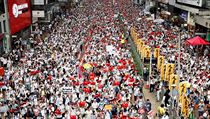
(4, 24)
(2, 10)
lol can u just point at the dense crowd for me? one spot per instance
(194, 64)
(83, 69)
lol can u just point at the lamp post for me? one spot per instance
(179, 67)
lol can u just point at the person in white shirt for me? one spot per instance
(166, 116)
(94, 105)
(88, 113)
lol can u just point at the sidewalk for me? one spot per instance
(152, 98)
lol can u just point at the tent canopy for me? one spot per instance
(197, 41)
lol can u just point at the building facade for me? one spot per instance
(194, 14)
(3, 45)
(15, 22)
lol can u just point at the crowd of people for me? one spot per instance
(83, 69)
(195, 67)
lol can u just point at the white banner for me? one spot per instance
(192, 2)
(38, 13)
(38, 2)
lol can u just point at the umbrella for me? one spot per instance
(159, 20)
(197, 41)
(87, 66)
(108, 107)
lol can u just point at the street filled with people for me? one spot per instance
(84, 68)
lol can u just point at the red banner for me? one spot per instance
(19, 15)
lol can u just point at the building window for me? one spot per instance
(4, 24)
(2, 10)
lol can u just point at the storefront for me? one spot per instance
(202, 26)
(20, 20)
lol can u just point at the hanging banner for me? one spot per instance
(156, 52)
(182, 90)
(185, 106)
(173, 81)
(142, 51)
(162, 72)
(169, 71)
(160, 62)
(147, 52)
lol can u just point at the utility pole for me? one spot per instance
(7, 33)
(179, 68)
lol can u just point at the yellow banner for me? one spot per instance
(169, 71)
(185, 106)
(182, 90)
(160, 62)
(142, 44)
(162, 72)
(147, 52)
(173, 81)
(142, 52)
(156, 52)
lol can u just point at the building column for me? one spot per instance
(208, 35)
(7, 32)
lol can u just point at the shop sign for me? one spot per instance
(198, 3)
(19, 15)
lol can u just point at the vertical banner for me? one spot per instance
(156, 52)
(160, 62)
(182, 90)
(142, 44)
(142, 51)
(169, 71)
(185, 107)
(162, 72)
(147, 52)
(173, 81)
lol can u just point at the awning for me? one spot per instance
(197, 41)
(1, 36)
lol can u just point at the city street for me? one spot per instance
(101, 59)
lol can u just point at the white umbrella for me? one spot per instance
(159, 20)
